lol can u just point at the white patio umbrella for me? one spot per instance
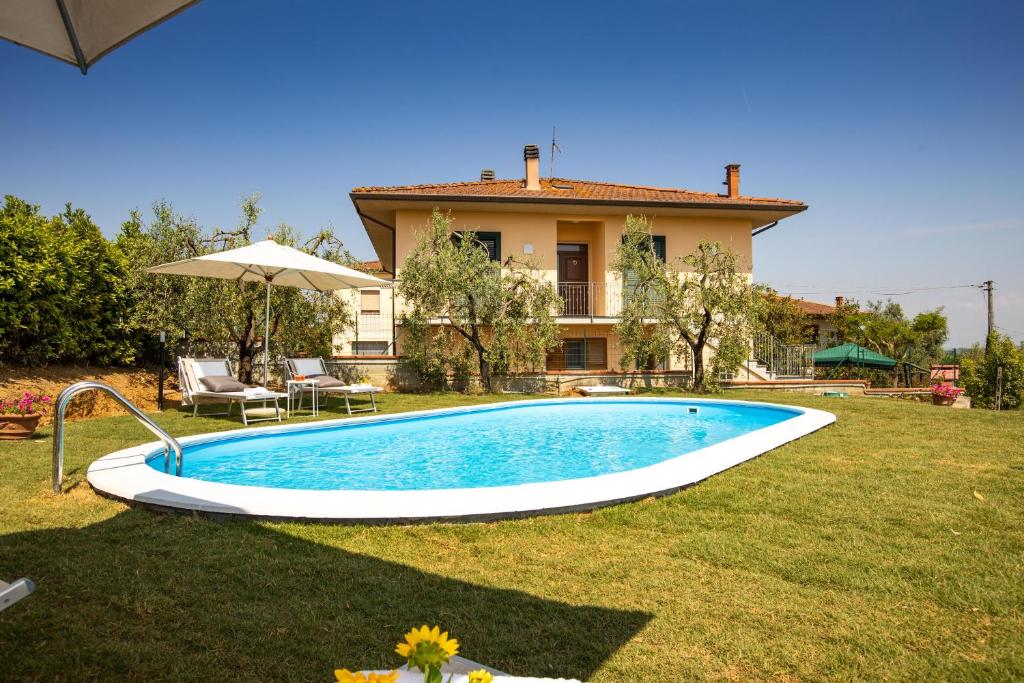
(80, 32)
(273, 264)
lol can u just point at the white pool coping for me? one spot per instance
(125, 475)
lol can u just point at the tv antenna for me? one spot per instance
(554, 148)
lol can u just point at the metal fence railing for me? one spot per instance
(784, 360)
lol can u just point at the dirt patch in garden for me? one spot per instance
(137, 385)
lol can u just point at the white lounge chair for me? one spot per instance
(602, 390)
(11, 593)
(315, 368)
(191, 372)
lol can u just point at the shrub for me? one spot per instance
(63, 294)
(980, 374)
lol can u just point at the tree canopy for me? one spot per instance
(467, 310)
(226, 317)
(885, 328)
(699, 300)
(994, 377)
(781, 317)
(63, 294)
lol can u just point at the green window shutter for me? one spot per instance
(630, 280)
(658, 242)
(490, 241)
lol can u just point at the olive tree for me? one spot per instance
(683, 306)
(227, 317)
(885, 328)
(465, 309)
(781, 317)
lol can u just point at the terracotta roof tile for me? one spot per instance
(371, 267)
(571, 190)
(814, 308)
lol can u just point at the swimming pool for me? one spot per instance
(474, 462)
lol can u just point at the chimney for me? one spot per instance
(732, 180)
(531, 155)
(487, 174)
(840, 301)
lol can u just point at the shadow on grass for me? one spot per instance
(143, 595)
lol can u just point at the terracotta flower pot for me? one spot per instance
(18, 426)
(943, 400)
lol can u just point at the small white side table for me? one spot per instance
(296, 387)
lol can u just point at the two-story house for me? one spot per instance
(570, 228)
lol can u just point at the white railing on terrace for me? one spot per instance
(579, 300)
(590, 299)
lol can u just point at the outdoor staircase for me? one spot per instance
(771, 359)
(758, 371)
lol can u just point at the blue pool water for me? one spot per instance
(515, 444)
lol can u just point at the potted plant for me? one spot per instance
(20, 417)
(945, 395)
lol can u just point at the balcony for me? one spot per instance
(590, 299)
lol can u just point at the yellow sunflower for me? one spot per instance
(480, 676)
(427, 647)
(346, 676)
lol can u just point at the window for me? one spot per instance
(370, 348)
(491, 241)
(580, 354)
(369, 301)
(631, 283)
(658, 244)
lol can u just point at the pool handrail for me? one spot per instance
(59, 406)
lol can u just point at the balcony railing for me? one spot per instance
(590, 299)
(375, 325)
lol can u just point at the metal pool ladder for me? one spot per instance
(170, 443)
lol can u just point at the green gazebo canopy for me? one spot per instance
(852, 354)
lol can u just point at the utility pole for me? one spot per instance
(987, 286)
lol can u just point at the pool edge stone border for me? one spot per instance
(125, 476)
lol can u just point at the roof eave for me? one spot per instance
(501, 199)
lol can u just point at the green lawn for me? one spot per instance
(888, 546)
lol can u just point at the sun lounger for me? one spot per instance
(602, 390)
(191, 373)
(11, 593)
(315, 368)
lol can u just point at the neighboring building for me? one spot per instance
(571, 228)
(948, 374)
(821, 330)
(374, 330)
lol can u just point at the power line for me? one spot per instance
(879, 292)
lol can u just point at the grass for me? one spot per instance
(888, 546)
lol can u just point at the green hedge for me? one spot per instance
(63, 295)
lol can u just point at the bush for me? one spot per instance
(63, 295)
(980, 375)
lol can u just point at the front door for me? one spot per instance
(573, 276)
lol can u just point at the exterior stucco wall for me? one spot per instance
(543, 232)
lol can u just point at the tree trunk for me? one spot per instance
(481, 355)
(698, 366)
(245, 360)
(485, 370)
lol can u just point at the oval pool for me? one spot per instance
(513, 444)
(476, 462)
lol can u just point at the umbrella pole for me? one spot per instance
(266, 341)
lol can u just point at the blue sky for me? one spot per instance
(899, 123)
